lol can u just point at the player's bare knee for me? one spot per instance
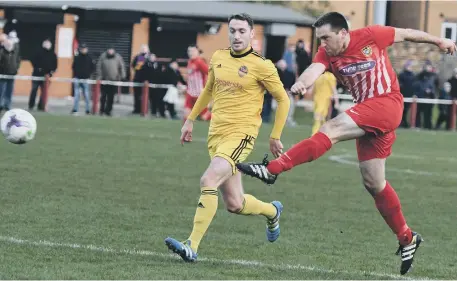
(234, 206)
(329, 129)
(372, 182)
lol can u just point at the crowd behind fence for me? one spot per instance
(96, 89)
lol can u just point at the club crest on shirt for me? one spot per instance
(367, 51)
(242, 71)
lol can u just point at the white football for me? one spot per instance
(18, 126)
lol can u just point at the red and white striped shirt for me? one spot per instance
(197, 72)
(364, 67)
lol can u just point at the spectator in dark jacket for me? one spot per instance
(302, 57)
(172, 76)
(44, 64)
(444, 109)
(137, 64)
(9, 65)
(152, 71)
(425, 88)
(83, 67)
(407, 78)
(453, 82)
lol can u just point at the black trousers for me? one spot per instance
(444, 117)
(424, 110)
(107, 98)
(156, 101)
(33, 93)
(404, 119)
(137, 93)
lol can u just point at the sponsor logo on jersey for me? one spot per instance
(356, 68)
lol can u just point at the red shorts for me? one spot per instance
(189, 104)
(190, 101)
(378, 117)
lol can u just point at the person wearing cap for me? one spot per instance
(83, 67)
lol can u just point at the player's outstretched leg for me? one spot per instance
(338, 129)
(245, 204)
(389, 206)
(206, 210)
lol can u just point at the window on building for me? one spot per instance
(449, 30)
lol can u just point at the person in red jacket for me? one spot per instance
(197, 72)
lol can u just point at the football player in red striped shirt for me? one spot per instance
(359, 60)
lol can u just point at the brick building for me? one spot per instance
(168, 27)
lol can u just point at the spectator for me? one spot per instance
(425, 88)
(152, 72)
(290, 58)
(173, 77)
(453, 82)
(287, 78)
(407, 78)
(44, 64)
(9, 65)
(83, 67)
(444, 109)
(303, 59)
(110, 67)
(137, 64)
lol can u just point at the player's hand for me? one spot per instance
(276, 147)
(298, 88)
(447, 46)
(186, 131)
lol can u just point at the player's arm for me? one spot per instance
(204, 98)
(270, 80)
(412, 35)
(387, 35)
(309, 76)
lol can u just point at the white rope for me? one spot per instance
(166, 86)
(88, 81)
(428, 101)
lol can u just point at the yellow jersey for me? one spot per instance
(324, 86)
(237, 84)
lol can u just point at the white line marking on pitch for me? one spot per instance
(250, 263)
(343, 159)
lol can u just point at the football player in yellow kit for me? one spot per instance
(237, 80)
(324, 89)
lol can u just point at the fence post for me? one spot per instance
(45, 92)
(453, 114)
(413, 113)
(95, 96)
(145, 99)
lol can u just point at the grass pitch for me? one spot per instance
(94, 198)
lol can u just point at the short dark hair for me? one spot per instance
(242, 17)
(336, 20)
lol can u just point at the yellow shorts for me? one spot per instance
(233, 147)
(321, 107)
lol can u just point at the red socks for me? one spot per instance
(389, 206)
(305, 151)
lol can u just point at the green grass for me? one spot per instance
(127, 184)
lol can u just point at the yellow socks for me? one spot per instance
(316, 126)
(206, 210)
(253, 206)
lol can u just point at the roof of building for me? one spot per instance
(263, 13)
